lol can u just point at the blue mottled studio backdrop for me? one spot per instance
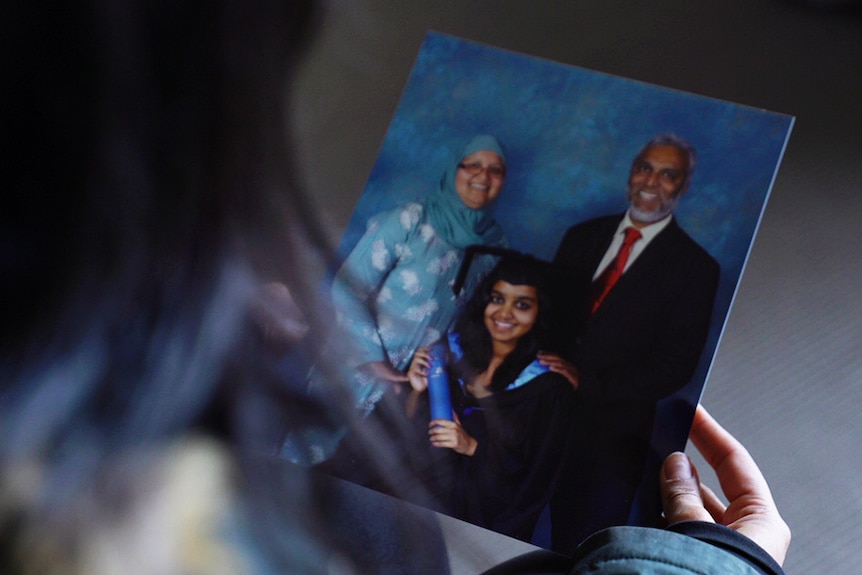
(571, 135)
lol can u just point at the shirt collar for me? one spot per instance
(647, 232)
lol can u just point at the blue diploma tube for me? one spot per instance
(438, 384)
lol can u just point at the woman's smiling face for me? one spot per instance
(511, 312)
(480, 178)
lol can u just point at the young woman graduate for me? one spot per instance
(513, 417)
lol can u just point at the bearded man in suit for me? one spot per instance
(640, 294)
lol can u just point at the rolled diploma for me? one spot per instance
(438, 384)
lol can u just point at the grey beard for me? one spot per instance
(664, 210)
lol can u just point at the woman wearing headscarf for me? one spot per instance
(393, 294)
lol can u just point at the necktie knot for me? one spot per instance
(632, 235)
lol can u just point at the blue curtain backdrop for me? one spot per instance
(570, 136)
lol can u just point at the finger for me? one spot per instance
(442, 438)
(736, 470)
(391, 375)
(713, 503)
(417, 369)
(751, 510)
(439, 434)
(565, 371)
(440, 424)
(680, 491)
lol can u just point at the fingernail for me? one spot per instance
(678, 466)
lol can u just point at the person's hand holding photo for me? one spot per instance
(751, 509)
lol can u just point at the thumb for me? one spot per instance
(680, 491)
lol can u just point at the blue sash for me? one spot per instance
(530, 372)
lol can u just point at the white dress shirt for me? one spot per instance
(648, 233)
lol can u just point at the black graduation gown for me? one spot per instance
(524, 436)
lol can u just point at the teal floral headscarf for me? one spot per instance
(456, 223)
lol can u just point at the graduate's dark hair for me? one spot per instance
(516, 269)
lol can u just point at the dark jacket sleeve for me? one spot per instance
(686, 549)
(732, 542)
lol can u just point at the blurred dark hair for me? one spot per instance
(146, 149)
(148, 193)
(516, 269)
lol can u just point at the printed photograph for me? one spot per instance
(532, 287)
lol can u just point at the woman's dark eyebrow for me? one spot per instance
(518, 298)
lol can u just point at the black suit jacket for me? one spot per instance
(641, 345)
(645, 340)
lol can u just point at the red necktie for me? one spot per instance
(612, 273)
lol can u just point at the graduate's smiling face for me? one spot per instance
(480, 178)
(511, 312)
(656, 183)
